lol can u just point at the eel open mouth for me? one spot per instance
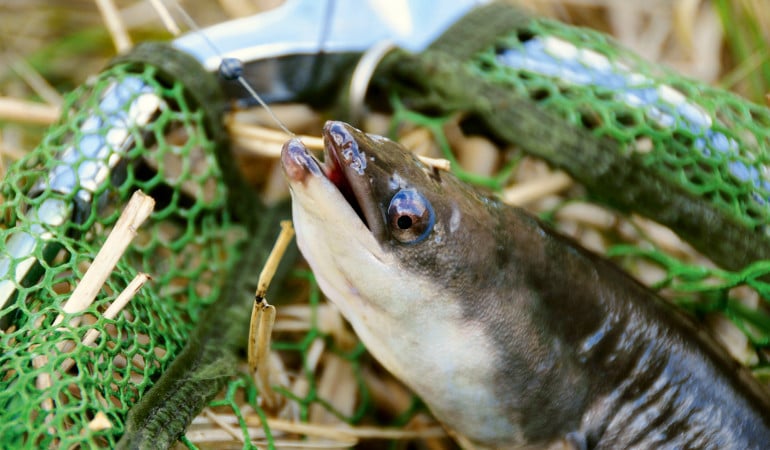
(344, 165)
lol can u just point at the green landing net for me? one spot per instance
(187, 246)
(155, 119)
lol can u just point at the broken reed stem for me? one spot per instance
(165, 17)
(306, 445)
(37, 82)
(279, 248)
(263, 141)
(23, 111)
(524, 193)
(349, 433)
(42, 383)
(99, 422)
(343, 434)
(260, 331)
(137, 210)
(437, 163)
(252, 352)
(134, 214)
(214, 417)
(263, 316)
(115, 26)
(112, 312)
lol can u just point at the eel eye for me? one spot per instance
(410, 216)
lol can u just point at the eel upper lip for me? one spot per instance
(344, 147)
(345, 166)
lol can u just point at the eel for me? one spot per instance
(513, 335)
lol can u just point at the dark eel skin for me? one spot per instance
(513, 335)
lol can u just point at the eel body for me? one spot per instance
(513, 335)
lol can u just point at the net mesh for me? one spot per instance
(712, 143)
(187, 245)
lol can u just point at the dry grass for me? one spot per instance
(47, 47)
